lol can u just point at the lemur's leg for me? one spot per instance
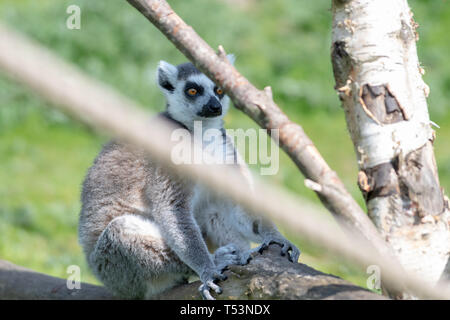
(220, 227)
(132, 259)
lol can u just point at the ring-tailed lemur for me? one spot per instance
(144, 230)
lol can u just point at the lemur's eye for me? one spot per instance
(219, 91)
(192, 91)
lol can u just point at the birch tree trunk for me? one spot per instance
(379, 81)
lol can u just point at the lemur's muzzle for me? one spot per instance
(212, 108)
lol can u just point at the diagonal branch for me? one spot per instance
(259, 106)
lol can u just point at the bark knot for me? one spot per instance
(380, 104)
(342, 63)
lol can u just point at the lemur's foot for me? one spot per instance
(287, 248)
(208, 279)
(223, 257)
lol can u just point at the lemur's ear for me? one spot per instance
(167, 76)
(231, 57)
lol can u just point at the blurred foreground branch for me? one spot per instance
(105, 110)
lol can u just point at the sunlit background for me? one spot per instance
(283, 43)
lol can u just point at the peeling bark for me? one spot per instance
(378, 79)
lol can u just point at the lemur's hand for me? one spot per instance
(226, 256)
(208, 279)
(287, 247)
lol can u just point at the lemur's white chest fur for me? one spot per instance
(215, 214)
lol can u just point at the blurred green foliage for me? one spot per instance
(283, 43)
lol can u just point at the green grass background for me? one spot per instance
(283, 43)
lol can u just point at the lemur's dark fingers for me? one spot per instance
(262, 247)
(221, 276)
(286, 248)
(224, 269)
(285, 251)
(292, 252)
(290, 258)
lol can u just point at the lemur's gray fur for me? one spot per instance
(144, 230)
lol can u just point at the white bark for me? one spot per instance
(378, 33)
(378, 78)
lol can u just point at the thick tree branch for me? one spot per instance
(267, 276)
(20, 283)
(258, 104)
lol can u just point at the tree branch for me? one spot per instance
(267, 276)
(20, 283)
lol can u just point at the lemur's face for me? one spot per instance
(190, 94)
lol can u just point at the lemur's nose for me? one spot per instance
(214, 106)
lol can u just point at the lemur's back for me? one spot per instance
(114, 186)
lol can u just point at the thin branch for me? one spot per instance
(106, 110)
